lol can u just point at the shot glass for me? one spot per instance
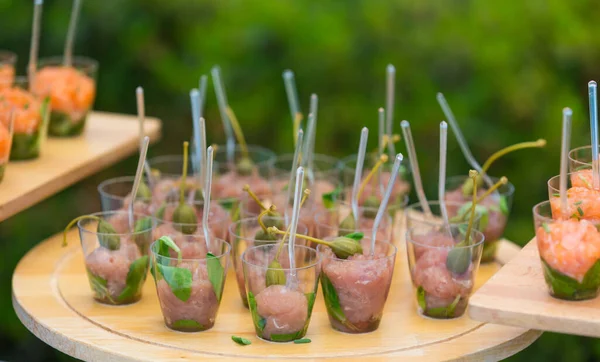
(166, 179)
(8, 60)
(458, 213)
(190, 289)
(443, 268)
(356, 289)
(281, 299)
(569, 253)
(498, 205)
(115, 194)
(71, 89)
(31, 115)
(330, 223)
(243, 235)
(218, 220)
(580, 159)
(116, 263)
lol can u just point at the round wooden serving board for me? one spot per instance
(52, 297)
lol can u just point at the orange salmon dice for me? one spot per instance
(5, 143)
(582, 203)
(582, 178)
(570, 247)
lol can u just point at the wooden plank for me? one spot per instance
(52, 298)
(108, 138)
(518, 296)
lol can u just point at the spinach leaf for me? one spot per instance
(421, 299)
(332, 302)
(178, 279)
(287, 337)
(355, 236)
(228, 204)
(241, 341)
(216, 274)
(135, 278)
(439, 312)
(259, 322)
(310, 297)
(565, 287)
(187, 323)
(302, 341)
(330, 198)
(100, 286)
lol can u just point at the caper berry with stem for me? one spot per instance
(184, 216)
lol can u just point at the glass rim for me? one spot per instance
(115, 180)
(577, 149)
(103, 214)
(335, 162)
(255, 219)
(79, 61)
(417, 205)
(307, 248)
(221, 242)
(8, 57)
(510, 188)
(409, 239)
(172, 158)
(536, 213)
(199, 224)
(377, 241)
(554, 178)
(387, 217)
(354, 157)
(348, 190)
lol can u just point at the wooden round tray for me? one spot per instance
(52, 297)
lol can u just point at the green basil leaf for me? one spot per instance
(332, 302)
(302, 340)
(330, 198)
(259, 322)
(187, 323)
(135, 278)
(565, 287)
(439, 312)
(452, 307)
(421, 298)
(216, 274)
(355, 236)
(99, 285)
(241, 341)
(164, 244)
(178, 279)
(288, 337)
(503, 204)
(591, 279)
(310, 297)
(228, 204)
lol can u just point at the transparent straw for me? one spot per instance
(442, 173)
(35, 39)
(461, 139)
(223, 104)
(305, 153)
(196, 140)
(207, 188)
(138, 178)
(362, 149)
(295, 217)
(314, 107)
(68, 56)
(202, 94)
(389, 105)
(384, 202)
(412, 156)
(292, 93)
(381, 132)
(295, 162)
(141, 111)
(593, 96)
(564, 162)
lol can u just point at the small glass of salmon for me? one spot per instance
(116, 256)
(583, 202)
(443, 268)
(570, 253)
(190, 288)
(281, 299)
(31, 116)
(8, 60)
(72, 91)
(5, 144)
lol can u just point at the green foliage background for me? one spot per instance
(507, 69)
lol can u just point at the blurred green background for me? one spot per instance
(507, 69)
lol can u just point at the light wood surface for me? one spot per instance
(108, 138)
(51, 296)
(518, 296)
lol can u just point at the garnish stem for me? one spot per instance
(473, 175)
(254, 197)
(382, 159)
(503, 180)
(287, 232)
(260, 217)
(70, 225)
(504, 151)
(274, 229)
(184, 174)
(237, 130)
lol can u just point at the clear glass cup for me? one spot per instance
(415, 215)
(218, 220)
(72, 92)
(582, 199)
(115, 194)
(6, 137)
(116, 263)
(8, 60)
(242, 236)
(580, 159)
(190, 289)
(442, 269)
(324, 166)
(328, 222)
(281, 312)
(569, 252)
(356, 289)
(498, 204)
(372, 199)
(31, 115)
